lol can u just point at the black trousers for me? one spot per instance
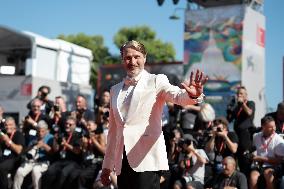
(8, 166)
(57, 174)
(244, 145)
(129, 179)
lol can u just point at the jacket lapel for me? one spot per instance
(116, 110)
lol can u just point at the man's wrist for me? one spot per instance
(9, 143)
(199, 99)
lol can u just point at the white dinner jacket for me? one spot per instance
(141, 132)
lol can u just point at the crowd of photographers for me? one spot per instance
(228, 152)
(54, 147)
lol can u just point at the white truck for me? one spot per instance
(28, 60)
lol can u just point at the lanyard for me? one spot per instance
(187, 165)
(220, 147)
(229, 180)
(36, 117)
(12, 135)
(68, 140)
(265, 146)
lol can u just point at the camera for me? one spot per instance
(56, 108)
(106, 115)
(248, 154)
(2, 131)
(255, 165)
(219, 129)
(181, 142)
(32, 154)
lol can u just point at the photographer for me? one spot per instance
(37, 157)
(93, 150)
(68, 150)
(267, 159)
(42, 94)
(191, 164)
(12, 144)
(102, 107)
(230, 177)
(203, 124)
(278, 116)
(82, 113)
(58, 115)
(241, 111)
(221, 144)
(31, 120)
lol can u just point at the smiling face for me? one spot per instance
(268, 128)
(36, 104)
(133, 61)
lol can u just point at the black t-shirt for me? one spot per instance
(242, 119)
(237, 180)
(221, 147)
(67, 154)
(6, 152)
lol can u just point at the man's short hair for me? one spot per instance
(280, 106)
(231, 160)
(266, 119)
(9, 118)
(44, 86)
(81, 95)
(134, 45)
(42, 125)
(221, 120)
(71, 118)
(242, 87)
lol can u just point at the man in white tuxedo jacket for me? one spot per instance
(136, 149)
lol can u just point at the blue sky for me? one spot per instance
(53, 17)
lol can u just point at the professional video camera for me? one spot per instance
(2, 131)
(249, 154)
(232, 105)
(32, 152)
(56, 108)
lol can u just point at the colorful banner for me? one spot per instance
(213, 43)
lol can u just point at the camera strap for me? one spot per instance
(68, 140)
(265, 146)
(36, 117)
(228, 181)
(187, 163)
(219, 146)
(56, 120)
(12, 135)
